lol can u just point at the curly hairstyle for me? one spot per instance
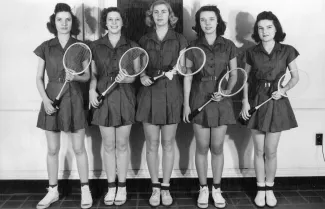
(221, 27)
(149, 18)
(62, 7)
(279, 35)
(104, 13)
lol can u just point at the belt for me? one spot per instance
(209, 78)
(57, 80)
(109, 77)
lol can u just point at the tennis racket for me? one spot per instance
(189, 62)
(297, 91)
(230, 84)
(132, 63)
(76, 60)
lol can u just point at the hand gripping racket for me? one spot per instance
(294, 92)
(189, 62)
(132, 63)
(230, 84)
(76, 60)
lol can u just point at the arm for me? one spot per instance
(49, 109)
(92, 86)
(246, 107)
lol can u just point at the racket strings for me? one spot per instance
(134, 61)
(75, 56)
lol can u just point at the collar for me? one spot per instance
(170, 35)
(203, 41)
(105, 41)
(55, 41)
(277, 47)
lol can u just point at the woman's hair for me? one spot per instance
(104, 13)
(279, 34)
(62, 7)
(172, 18)
(221, 26)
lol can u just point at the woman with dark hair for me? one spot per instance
(210, 125)
(70, 117)
(270, 59)
(160, 103)
(115, 114)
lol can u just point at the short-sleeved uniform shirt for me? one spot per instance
(71, 115)
(118, 105)
(276, 115)
(205, 83)
(161, 103)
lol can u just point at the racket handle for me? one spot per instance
(242, 121)
(100, 98)
(193, 114)
(56, 103)
(152, 79)
(90, 115)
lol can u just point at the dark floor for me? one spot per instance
(293, 192)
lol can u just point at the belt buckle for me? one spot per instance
(61, 80)
(267, 84)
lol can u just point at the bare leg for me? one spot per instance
(151, 133)
(202, 136)
(271, 146)
(122, 151)
(259, 138)
(78, 144)
(53, 148)
(108, 136)
(217, 157)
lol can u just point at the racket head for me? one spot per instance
(191, 61)
(133, 62)
(77, 58)
(229, 86)
(300, 88)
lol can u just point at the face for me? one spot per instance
(114, 22)
(160, 15)
(266, 30)
(208, 22)
(63, 22)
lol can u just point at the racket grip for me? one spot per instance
(100, 98)
(56, 103)
(193, 114)
(152, 79)
(90, 116)
(242, 121)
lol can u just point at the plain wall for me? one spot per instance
(23, 146)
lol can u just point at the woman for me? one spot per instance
(70, 117)
(210, 125)
(270, 59)
(115, 114)
(160, 102)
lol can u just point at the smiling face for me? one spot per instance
(266, 30)
(208, 22)
(63, 22)
(160, 15)
(114, 22)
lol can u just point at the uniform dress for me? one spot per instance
(276, 115)
(118, 105)
(71, 114)
(205, 83)
(161, 103)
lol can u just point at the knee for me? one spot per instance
(79, 151)
(167, 145)
(259, 153)
(152, 145)
(217, 149)
(202, 149)
(122, 146)
(53, 152)
(270, 154)
(109, 147)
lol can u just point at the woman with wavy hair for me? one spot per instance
(70, 117)
(270, 60)
(160, 102)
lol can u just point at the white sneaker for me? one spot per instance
(260, 199)
(270, 198)
(51, 197)
(110, 196)
(155, 197)
(120, 198)
(166, 198)
(86, 199)
(219, 201)
(203, 199)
